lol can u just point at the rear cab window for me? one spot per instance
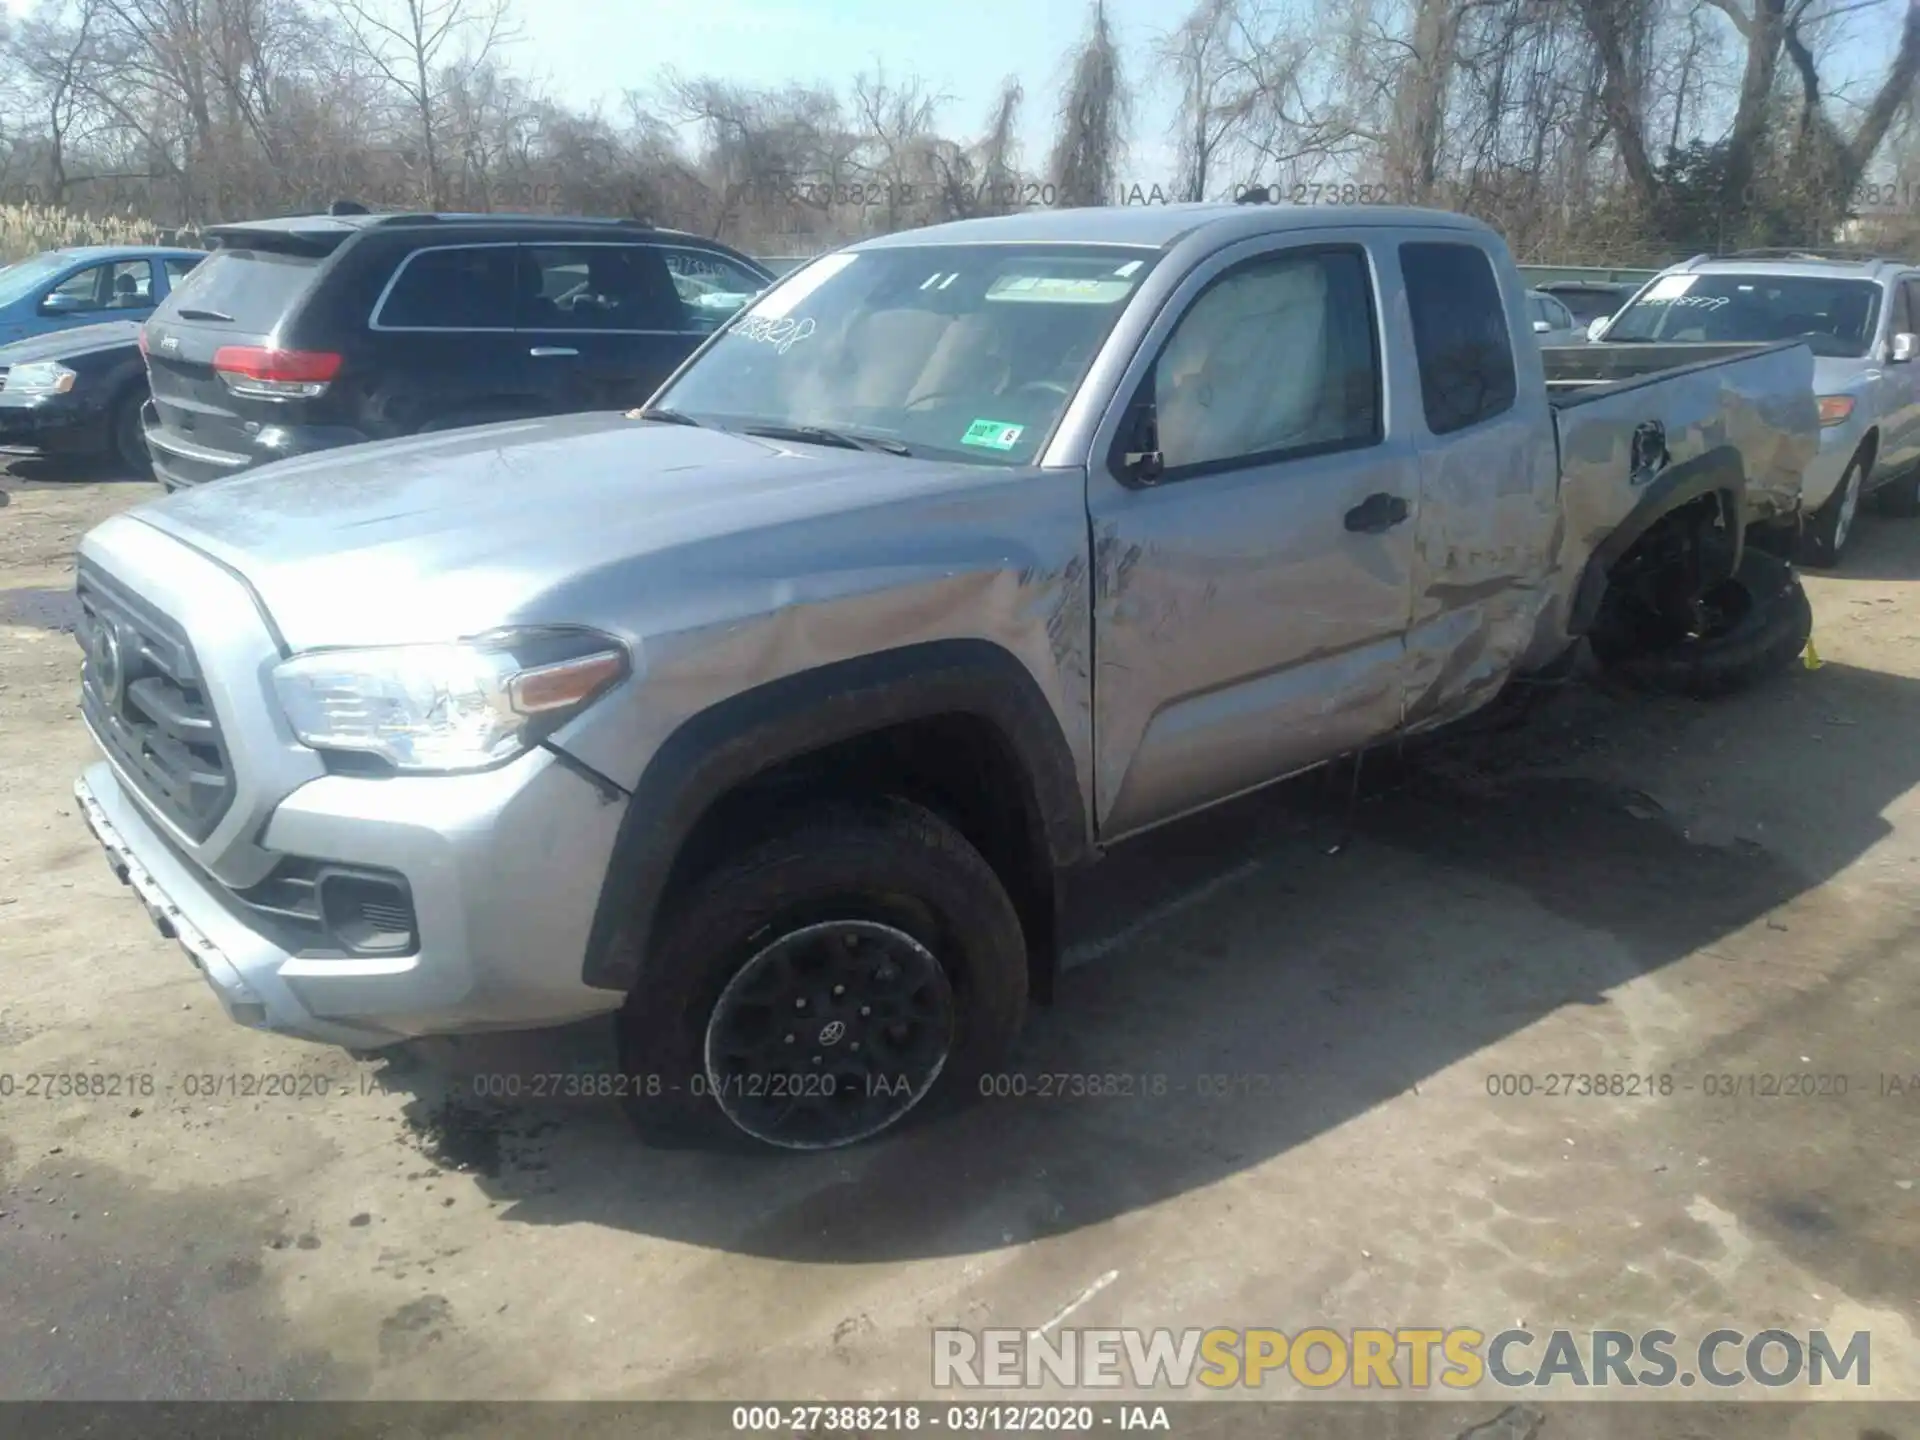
(1460, 333)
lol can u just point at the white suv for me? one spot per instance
(1859, 315)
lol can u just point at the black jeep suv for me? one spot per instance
(309, 332)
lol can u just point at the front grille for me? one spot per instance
(141, 690)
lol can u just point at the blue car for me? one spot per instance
(59, 289)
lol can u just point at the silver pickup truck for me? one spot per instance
(767, 718)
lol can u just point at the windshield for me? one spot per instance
(969, 352)
(21, 280)
(1590, 305)
(1834, 316)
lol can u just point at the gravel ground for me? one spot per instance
(1620, 886)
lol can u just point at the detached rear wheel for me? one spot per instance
(825, 984)
(1735, 635)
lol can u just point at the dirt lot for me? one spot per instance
(1623, 886)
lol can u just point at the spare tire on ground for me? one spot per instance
(1747, 627)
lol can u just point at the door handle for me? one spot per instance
(1376, 513)
(544, 352)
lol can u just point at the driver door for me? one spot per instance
(1251, 601)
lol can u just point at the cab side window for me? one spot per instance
(1277, 357)
(1459, 334)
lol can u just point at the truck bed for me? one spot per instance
(1575, 372)
(1624, 415)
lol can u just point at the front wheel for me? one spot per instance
(824, 984)
(1744, 629)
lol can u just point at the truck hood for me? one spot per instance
(66, 344)
(444, 535)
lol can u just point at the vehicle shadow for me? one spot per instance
(1881, 548)
(33, 471)
(1247, 981)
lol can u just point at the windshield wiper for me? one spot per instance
(668, 417)
(821, 435)
(191, 314)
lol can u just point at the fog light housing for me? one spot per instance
(367, 912)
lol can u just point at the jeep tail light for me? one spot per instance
(270, 374)
(143, 342)
(1834, 409)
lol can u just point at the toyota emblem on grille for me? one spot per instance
(831, 1032)
(109, 667)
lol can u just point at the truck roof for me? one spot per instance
(1158, 226)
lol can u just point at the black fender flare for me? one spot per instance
(724, 746)
(1718, 472)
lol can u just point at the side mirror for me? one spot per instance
(1597, 327)
(1540, 327)
(1141, 462)
(62, 305)
(1904, 348)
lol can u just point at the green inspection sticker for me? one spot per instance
(992, 434)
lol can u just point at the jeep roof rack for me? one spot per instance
(504, 217)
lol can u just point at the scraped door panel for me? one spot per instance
(1251, 607)
(1489, 479)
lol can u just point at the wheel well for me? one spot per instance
(1868, 452)
(957, 765)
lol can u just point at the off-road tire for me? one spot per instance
(1766, 634)
(1832, 527)
(884, 861)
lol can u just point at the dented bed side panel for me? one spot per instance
(1616, 441)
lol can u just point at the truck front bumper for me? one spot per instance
(504, 871)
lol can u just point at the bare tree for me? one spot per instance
(424, 48)
(1091, 143)
(895, 122)
(1825, 156)
(49, 60)
(1218, 89)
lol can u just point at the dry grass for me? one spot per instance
(28, 229)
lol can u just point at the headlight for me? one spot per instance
(43, 377)
(466, 705)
